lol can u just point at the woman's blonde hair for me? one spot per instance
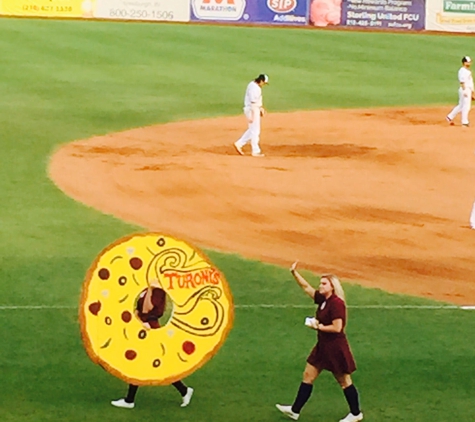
(337, 288)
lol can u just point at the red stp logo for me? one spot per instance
(281, 6)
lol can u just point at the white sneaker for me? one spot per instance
(122, 403)
(258, 154)
(187, 397)
(353, 418)
(287, 411)
(238, 148)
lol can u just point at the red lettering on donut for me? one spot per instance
(191, 280)
(215, 277)
(205, 276)
(197, 279)
(170, 277)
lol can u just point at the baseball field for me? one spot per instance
(154, 109)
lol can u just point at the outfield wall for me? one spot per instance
(413, 15)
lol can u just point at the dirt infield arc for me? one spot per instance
(381, 197)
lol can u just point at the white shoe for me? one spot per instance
(353, 418)
(449, 120)
(258, 154)
(287, 411)
(187, 397)
(238, 148)
(122, 403)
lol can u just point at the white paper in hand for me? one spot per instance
(311, 322)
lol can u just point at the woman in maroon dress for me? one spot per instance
(332, 351)
(150, 307)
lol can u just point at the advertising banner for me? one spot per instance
(451, 15)
(279, 12)
(46, 8)
(152, 10)
(379, 14)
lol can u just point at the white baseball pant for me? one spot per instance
(472, 217)
(253, 116)
(464, 105)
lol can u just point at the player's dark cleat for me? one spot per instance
(466, 125)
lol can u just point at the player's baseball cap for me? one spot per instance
(466, 59)
(263, 77)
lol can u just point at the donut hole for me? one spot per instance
(160, 313)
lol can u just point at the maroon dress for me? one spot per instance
(332, 351)
(158, 302)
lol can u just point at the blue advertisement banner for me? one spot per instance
(277, 12)
(371, 14)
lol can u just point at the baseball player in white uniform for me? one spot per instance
(253, 110)
(472, 217)
(466, 93)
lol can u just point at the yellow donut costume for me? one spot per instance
(116, 339)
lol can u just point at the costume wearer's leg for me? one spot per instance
(186, 393)
(131, 393)
(472, 217)
(466, 105)
(255, 128)
(182, 388)
(458, 108)
(351, 395)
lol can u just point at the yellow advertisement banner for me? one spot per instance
(450, 15)
(48, 8)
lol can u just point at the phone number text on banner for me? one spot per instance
(154, 10)
(46, 8)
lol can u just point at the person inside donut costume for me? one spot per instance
(150, 308)
(332, 352)
(123, 297)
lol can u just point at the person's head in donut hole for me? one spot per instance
(151, 305)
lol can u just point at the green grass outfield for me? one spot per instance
(65, 80)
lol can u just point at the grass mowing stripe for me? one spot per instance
(271, 306)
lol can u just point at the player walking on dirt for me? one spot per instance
(466, 93)
(253, 110)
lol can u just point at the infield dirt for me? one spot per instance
(381, 197)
